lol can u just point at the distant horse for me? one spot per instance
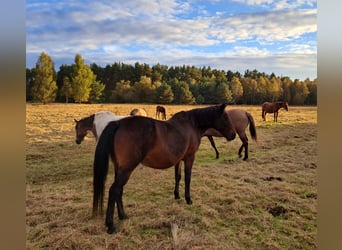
(94, 123)
(273, 107)
(160, 110)
(240, 120)
(154, 143)
(138, 111)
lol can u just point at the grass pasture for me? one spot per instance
(233, 200)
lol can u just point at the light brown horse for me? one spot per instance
(156, 144)
(273, 107)
(138, 111)
(240, 120)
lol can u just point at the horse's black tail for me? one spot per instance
(104, 148)
(252, 128)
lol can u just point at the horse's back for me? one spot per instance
(266, 104)
(239, 119)
(102, 118)
(138, 112)
(149, 141)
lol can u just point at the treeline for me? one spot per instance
(142, 83)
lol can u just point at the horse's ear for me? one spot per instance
(75, 120)
(222, 107)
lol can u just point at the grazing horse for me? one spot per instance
(156, 144)
(273, 107)
(94, 123)
(138, 111)
(240, 120)
(160, 110)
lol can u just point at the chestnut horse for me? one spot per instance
(273, 107)
(94, 123)
(240, 120)
(133, 140)
(160, 110)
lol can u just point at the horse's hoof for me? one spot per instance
(123, 217)
(111, 230)
(188, 201)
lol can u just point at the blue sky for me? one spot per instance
(278, 36)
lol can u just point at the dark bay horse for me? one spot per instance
(94, 123)
(273, 107)
(161, 110)
(240, 120)
(156, 144)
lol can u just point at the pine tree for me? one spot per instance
(164, 94)
(44, 88)
(96, 92)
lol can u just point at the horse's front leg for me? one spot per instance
(212, 142)
(177, 179)
(187, 172)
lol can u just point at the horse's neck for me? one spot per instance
(88, 122)
(200, 120)
(279, 106)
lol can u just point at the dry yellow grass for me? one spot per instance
(232, 198)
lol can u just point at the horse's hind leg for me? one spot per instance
(115, 196)
(177, 179)
(244, 140)
(246, 151)
(110, 210)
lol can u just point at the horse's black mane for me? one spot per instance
(204, 117)
(88, 121)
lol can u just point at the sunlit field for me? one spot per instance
(266, 202)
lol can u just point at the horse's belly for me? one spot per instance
(160, 161)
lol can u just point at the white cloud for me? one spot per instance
(103, 32)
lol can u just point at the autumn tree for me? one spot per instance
(82, 80)
(237, 89)
(144, 90)
(66, 89)
(44, 88)
(96, 92)
(299, 92)
(123, 92)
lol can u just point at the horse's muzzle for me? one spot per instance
(78, 141)
(231, 137)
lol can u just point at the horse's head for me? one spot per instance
(286, 106)
(224, 125)
(81, 131)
